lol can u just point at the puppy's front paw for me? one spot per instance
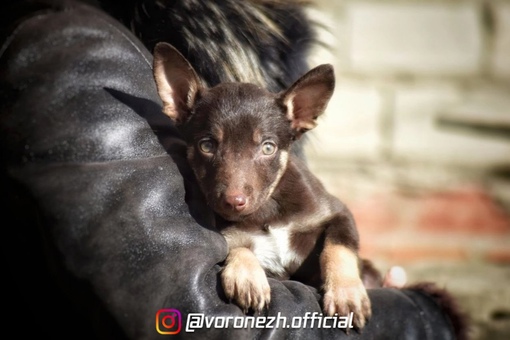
(343, 296)
(344, 291)
(244, 281)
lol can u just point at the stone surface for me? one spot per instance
(430, 195)
(415, 37)
(500, 58)
(350, 127)
(420, 137)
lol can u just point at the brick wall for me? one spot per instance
(416, 139)
(404, 70)
(402, 65)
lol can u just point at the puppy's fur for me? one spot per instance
(277, 218)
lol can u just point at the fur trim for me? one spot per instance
(266, 42)
(445, 300)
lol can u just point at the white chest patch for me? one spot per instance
(274, 252)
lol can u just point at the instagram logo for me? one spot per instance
(168, 321)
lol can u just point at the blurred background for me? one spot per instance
(416, 141)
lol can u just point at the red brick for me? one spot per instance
(498, 256)
(470, 210)
(368, 249)
(418, 253)
(375, 214)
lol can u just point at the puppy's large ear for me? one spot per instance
(176, 81)
(308, 97)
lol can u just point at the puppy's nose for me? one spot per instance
(237, 202)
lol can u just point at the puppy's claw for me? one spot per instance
(264, 303)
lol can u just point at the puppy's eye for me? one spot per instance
(206, 145)
(268, 148)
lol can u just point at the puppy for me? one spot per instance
(277, 218)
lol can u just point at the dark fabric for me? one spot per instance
(97, 236)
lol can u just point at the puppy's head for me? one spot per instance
(238, 134)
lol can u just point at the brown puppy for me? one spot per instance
(277, 217)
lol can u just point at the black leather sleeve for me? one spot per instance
(97, 234)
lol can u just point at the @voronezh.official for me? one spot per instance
(169, 321)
